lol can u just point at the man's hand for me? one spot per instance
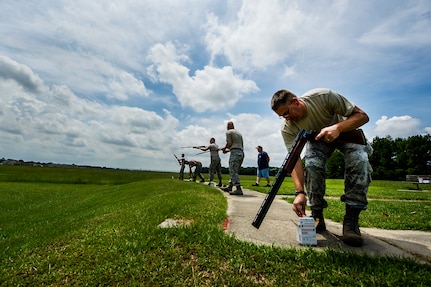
(356, 119)
(328, 134)
(299, 205)
(225, 149)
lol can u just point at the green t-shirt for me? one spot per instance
(324, 108)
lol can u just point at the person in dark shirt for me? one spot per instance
(262, 167)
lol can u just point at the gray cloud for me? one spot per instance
(20, 73)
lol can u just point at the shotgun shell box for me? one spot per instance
(306, 231)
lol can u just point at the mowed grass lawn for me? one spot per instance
(92, 227)
(392, 204)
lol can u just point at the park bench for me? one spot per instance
(418, 179)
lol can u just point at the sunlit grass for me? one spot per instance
(67, 234)
(391, 205)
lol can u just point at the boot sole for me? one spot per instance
(355, 242)
(236, 193)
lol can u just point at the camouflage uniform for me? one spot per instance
(357, 173)
(183, 163)
(325, 108)
(236, 157)
(235, 161)
(215, 163)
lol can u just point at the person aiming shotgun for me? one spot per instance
(215, 162)
(329, 113)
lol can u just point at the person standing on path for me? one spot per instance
(215, 162)
(182, 162)
(329, 113)
(262, 166)
(234, 144)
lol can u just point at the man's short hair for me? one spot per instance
(280, 98)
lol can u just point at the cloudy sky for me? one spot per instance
(126, 84)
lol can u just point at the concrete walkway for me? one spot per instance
(279, 229)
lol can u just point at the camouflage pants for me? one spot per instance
(181, 177)
(357, 174)
(215, 167)
(197, 172)
(235, 161)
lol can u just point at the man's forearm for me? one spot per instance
(228, 145)
(357, 119)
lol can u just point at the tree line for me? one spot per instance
(392, 159)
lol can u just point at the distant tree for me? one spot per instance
(419, 148)
(394, 159)
(248, 170)
(383, 159)
(401, 158)
(335, 165)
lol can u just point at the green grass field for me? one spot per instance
(88, 227)
(392, 205)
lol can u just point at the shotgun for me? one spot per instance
(197, 146)
(179, 161)
(355, 136)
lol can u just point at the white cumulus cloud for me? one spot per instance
(397, 127)
(208, 89)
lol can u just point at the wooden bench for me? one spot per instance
(418, 179)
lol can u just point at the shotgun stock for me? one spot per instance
(355, 136)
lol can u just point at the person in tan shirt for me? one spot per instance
(329, 113)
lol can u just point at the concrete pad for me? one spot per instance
(279, 229)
